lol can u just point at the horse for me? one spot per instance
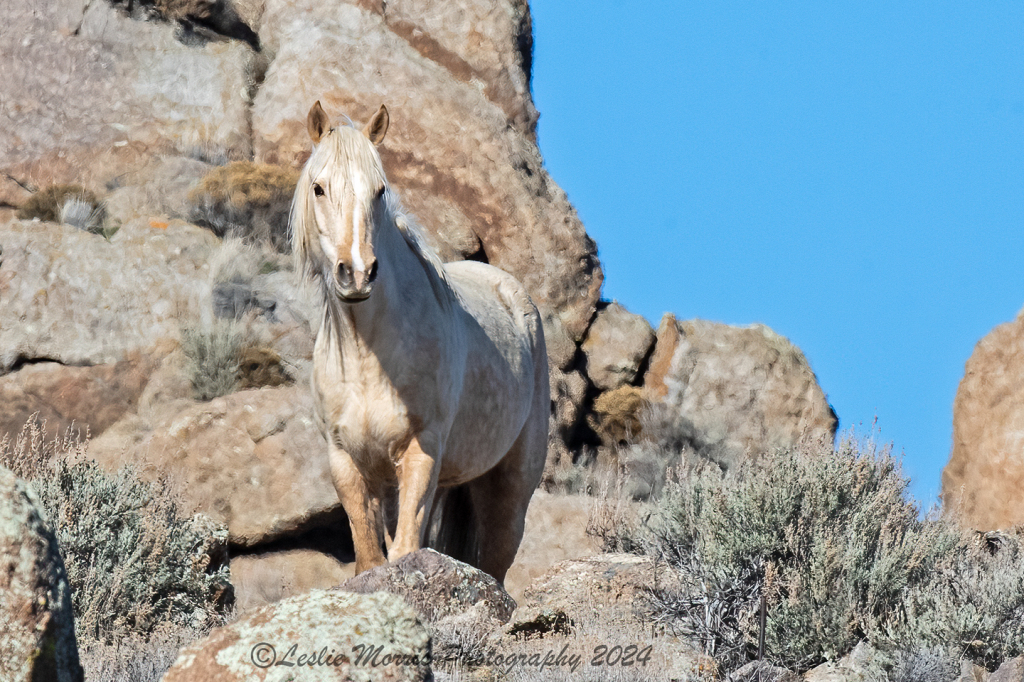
(430, 380)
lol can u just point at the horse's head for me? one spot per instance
(338, 204)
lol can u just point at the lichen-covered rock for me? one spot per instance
(984, 479)
(78, 299)
(253, 460)
(462, 605)
(435, 585)
(725, 393)
(323, 635)
(476, 183)
(616, 344)
(37, 629)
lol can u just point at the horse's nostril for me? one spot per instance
(372, 275)
(344, 273)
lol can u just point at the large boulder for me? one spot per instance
(724, 393)
(90, 398)
(314, 636)
(461, 605)
(609, 587)
(254, 460)
(37, 628)
(436, 585)
(75, 298)
(984, 479)
(615, 347)
(476, 182)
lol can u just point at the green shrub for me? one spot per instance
(247, 200)
(830, 539)
(135, 563)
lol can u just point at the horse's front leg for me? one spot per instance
(360, 507)
(417, 481)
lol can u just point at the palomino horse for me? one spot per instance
(430, 380)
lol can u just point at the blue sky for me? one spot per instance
(849, 173)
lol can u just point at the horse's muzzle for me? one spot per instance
(354, 286)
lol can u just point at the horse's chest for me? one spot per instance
(363, 411)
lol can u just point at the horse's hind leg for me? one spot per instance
(501, 496)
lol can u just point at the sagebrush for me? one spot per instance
(833, 541)
(136, 563)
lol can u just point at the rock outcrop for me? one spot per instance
(604, 586)
(475, 182)
(37, 628)
(726, 392)
(984, 479)
(616, 345)
(325, 635)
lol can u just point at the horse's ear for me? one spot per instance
(378, 126)
(317, 122)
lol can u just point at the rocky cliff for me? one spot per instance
(181, 123)
(984, 479)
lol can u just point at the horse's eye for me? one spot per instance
(318, 190)
(380, 192)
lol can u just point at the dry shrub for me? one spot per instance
(617, 413)
(135, 658)
(211, 353)
(833, 541)
(65, 204)
(246, 200)
(136, 564)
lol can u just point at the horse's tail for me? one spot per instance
(454, 527)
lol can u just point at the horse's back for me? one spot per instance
(487, 291)
(506, 365)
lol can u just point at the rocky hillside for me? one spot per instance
(984, 479)
(181, 124)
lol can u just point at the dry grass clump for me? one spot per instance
(835, 545)
(211, 353)
(135, 658)
(136, 564)
(224, 356)
(246, 200)
(65, 204)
